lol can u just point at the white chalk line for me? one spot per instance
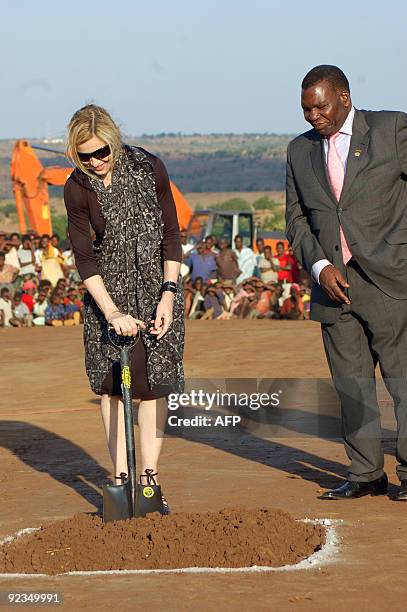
(327, 554)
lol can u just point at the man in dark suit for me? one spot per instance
(347, 223)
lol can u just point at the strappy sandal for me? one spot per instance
(149, 475)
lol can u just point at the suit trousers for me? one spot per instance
(371, 330)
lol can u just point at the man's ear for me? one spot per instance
(346, 100)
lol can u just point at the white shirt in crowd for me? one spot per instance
(247, 263)
(12, 258)
(25, 256)
(6, 307)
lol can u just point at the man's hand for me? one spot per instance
(332, 282)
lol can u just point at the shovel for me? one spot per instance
(129, 499)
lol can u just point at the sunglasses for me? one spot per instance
(98, 154)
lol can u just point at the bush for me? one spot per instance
(265, 203)
(273, 222)
(9, 209)
(59, 225)
(233, 204)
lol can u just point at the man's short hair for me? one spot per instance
(45, 283)
(4, 290)
(325, 72)
(278, 244)
(239, 236)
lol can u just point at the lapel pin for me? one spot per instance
(358, 152)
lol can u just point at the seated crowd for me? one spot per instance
(39, 283)
(221, 282)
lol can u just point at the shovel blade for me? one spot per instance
(148, 499)
(117, 502)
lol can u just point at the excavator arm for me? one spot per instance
(30, 185)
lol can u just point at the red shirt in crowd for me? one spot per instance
(284, 260)
(295, 271)
(28, 301)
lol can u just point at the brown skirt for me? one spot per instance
(140, 388)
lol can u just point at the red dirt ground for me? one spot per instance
(53, 460)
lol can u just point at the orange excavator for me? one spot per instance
(30, 185)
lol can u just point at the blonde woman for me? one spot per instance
(131, 273)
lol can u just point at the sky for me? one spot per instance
(186, 66)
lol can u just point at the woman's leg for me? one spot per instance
(113, 420)
(152, 417)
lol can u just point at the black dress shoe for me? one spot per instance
(352, 489)
(402, 493)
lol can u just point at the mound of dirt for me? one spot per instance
(229, 538)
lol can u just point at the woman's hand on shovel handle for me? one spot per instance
(163, 317)
(124, 324)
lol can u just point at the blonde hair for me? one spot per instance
(92, 120)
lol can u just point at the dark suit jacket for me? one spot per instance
(372, 209)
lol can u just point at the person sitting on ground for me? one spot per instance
(305, 295)
(6, 307)
(8, 273)
(55, 313)
(29, 291)
(197, 306)
(72, 297)
(262, 305)
(72, 309)
(229, 293)
(40, 307)
(188, 296)
(62, 284)
(277, 299)
(243, 303)
(293, 306)
(46, 286)
(213, 302)
(227, 267)
(21, 314)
